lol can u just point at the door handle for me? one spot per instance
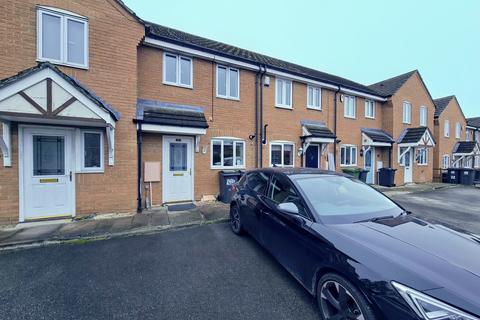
(70, 176)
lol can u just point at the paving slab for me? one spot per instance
(141, 220)
(32, 234)
(184, 217)
(121, 224)
(160, 219)
(77, 229)
(214, 212)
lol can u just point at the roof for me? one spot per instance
(465, 147)
(390, 86)
(441, 104)
(412, 135)
(73, 81)
(170, 114)
(317, 130)
(378, 135)
(473, 122)
(130, 11)
(186, 39)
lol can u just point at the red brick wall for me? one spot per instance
(112, 74)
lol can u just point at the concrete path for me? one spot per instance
(108, 226)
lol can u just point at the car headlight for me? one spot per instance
(429, 308)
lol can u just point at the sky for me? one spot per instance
(362, 40)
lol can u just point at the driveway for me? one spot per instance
(201, 272)
(458, 207)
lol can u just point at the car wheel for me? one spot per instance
(235, 221)
(338, 299)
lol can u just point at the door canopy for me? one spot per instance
(416, 137)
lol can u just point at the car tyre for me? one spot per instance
(337, 298)
(235, 220)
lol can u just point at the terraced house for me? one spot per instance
(89, 127)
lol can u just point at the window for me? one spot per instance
(422, 156)
(228, 80)
(446, 161)
(369, 109)
(282, 191)
(92, 155)
(458, 130)
(423, 116)
(469, 135)
(178, 156)
(477, 136)
(314, 98)
(446, 129)
(349, 107)
(283, 93)
(62, 38)
(407, 113)
(258, 181)
(48, 155)
(281, 154)
(228, 153)
(477, 161)
(348, 155)
(177, 70)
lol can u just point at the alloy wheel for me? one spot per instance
(338, 303)
(235, 219)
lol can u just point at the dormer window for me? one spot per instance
(62, 37)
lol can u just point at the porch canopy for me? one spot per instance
(420, 137)
(316, 132)
(372, 137)
(45, 95)
(465, 150)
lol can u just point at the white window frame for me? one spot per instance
(84, 169)
(446, 129)
(446, 161)
(64, 16)
(407, 112)
(283, 82)
(458, 130)
(369, 103)
(423, 116)
(345, 114)
(352, 147)
(282, 144)
(468, 135)
(227, 85)
(222, 140)
(315, 90)
(178, 58)
(476, 162)
(422, 157)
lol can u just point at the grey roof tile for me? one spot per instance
(473, 122)
(465, 147)
(378, 135)
(441, 104)
(390, 86)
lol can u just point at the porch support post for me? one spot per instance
(6, 144)
(111, 145)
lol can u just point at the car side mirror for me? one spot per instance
(288, 207)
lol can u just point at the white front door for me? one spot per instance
(408, 168)
(177, 168)
(47, 168)
(370, 165)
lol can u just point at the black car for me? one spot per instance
(361, 254)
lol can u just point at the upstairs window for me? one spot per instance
(446, 129)
(407, 113)
(62, 37)
(177, 70)
(423, 116)
(469, 135)
(369, 109)
(314, 98)
(228, 80)
(283, 93)
(349, 107)
(477, 136)
(458, 130)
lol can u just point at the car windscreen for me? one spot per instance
(339, 199)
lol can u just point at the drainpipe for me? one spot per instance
(257, 77)
(263, 139)
(139, 172)
(335, 125)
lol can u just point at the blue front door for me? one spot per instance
(312, 157)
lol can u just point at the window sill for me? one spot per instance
(371, 118)
(314, 108)
(281, 166)
(283, 107)
(422, 165)
(90, 171)
(348, 165)
(228, 98)
(350, 117)
(227, 168)
(177, 85)
(65, 64)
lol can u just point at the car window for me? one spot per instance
(281, 191)
(258, 181)
(241, 182)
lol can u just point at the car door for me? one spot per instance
(284, 234)
(256, 185)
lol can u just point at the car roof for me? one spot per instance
(297, 171)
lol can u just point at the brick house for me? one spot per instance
(408, 117)
(88, 128)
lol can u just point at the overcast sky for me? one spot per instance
(365, 41)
